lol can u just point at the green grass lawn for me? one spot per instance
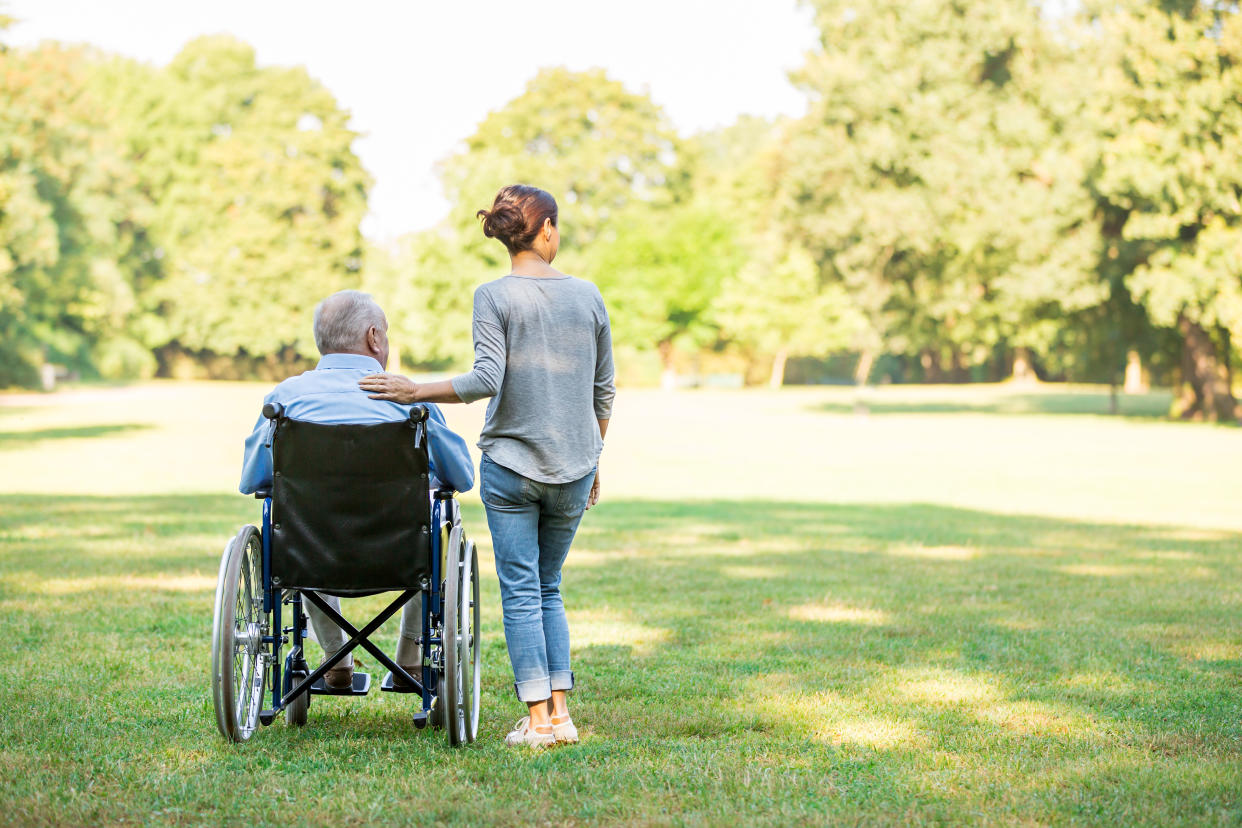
(970, 606)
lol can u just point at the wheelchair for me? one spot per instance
(349, 513)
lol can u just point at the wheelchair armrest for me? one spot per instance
(263, 494)
(445, 494)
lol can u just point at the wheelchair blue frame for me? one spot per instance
(445, 511)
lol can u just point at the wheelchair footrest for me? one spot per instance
(388, 685)
(362, 686)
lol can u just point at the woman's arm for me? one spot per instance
(404, 390)
(483, 380)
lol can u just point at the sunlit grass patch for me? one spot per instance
(939, 687)
(163, 583)
(1030, 718)
(604, 627)
(837, 614)
(1100, 570)
(755, 573)
(881, 734)
(934, 553)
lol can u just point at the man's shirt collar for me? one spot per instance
(355, 361)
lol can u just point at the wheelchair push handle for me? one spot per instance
(275, 410)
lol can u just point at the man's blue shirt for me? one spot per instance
(330, 395)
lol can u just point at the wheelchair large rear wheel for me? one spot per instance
(238, 655)
(461, 643)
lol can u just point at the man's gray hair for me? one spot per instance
(343, 319)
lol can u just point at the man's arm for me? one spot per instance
(257, 460)
(448, 452)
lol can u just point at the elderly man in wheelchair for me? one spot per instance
(358, 499)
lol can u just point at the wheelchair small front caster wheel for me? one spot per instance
(420, 720)
(436, 715)
(295, 713)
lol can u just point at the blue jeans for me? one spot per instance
(532, 526)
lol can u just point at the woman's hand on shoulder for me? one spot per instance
(393, 387)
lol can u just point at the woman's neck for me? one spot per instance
(530, 263)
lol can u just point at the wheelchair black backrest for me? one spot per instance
(350, 506)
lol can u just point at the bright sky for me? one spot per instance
(419, 75)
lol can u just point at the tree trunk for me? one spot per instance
(778, 368)
(1136, 382)
(862, 373)
(1023, 371)
(930, 360)
(959, 371)
(1207, 394)
(668, 377)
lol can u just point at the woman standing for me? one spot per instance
(543, 353)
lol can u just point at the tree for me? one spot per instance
(597, 147)
(258, 197)
(661, 271)
(774, 305)
(936, 179)
(1168, 182)
(426, 284)
(69, 235)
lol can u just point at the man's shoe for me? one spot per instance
(412, 669)
(339, 678)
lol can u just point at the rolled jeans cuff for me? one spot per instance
(562, 680)
(533, 691)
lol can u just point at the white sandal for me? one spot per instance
(535, 737)
(565, 732)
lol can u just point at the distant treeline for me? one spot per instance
(977, 189)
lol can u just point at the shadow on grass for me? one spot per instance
(24, 439)
(894, 656)
(1152, 405)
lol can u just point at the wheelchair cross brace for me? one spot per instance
(359, 638)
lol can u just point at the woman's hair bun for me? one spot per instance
(504, 221)
(517, 216)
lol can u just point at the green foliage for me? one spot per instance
(256, 196)
(67, 216)
(936, 177)
(661, 271)
(1172, 131)
(426, 285)
(583, 137)
(970, 179)
(204, 207)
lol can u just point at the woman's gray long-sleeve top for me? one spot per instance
(543, 352)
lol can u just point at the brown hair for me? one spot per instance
(517, 216)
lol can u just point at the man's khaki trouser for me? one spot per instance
(332, 638)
